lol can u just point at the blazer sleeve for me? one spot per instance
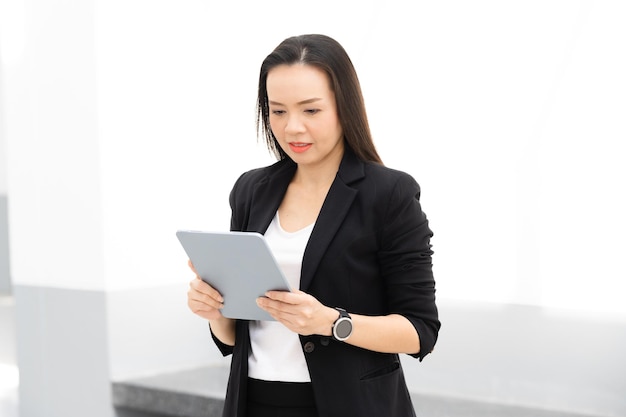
(224, 349)
(238, 203)
(406, 262)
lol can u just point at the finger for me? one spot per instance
(210, 301)
(277, 309)
(287, 317)
(201, 310)
(197, 306)
(193, 268)
(284, 296)
(201, 286)
(269, 305)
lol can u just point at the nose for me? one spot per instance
(294, 125)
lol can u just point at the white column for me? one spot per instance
(5, 280)
(55, 210)
(99, 279)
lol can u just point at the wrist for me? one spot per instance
(330, 315)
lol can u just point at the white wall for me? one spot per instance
(49, 91)
(512, 111)
(5, 280)
(3, 149)
(3, 171)
(177, 95)
(506, 113)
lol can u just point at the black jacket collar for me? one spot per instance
(269, 192)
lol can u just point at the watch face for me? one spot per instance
(343, 328)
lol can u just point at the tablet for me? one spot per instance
(240, 265)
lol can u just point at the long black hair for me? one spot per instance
(328, 55)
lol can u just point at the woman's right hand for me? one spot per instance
(204, 300)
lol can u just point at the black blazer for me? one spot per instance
(369, 252)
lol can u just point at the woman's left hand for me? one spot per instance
(299, 312)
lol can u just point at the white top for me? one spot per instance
(276, 351)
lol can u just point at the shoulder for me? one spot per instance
(390, 180)
(376, 181)
(270, 177)
(386, 173)
(363, 174)
(249, 179)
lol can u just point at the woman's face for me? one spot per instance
(303, 114)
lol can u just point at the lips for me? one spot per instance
(299, 147)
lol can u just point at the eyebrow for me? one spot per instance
(307, 101)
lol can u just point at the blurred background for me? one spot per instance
(123, 121)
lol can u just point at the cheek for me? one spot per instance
(276, 127)
(331, 128)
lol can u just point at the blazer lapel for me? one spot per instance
(335, 207)
(267, 196)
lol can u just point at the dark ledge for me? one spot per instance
(197, 392)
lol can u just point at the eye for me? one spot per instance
(312, 111)
(277, 112)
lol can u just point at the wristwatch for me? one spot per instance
(342, 327)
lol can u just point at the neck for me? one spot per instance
(314, 179)
(319, 175)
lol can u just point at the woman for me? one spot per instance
(347, 231)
